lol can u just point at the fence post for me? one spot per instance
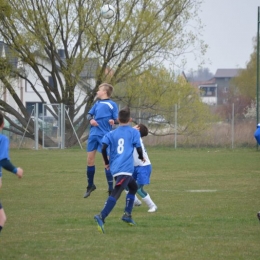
(36, 126)
(232, 126)
(175, 126)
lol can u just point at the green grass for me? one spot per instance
(207, 203)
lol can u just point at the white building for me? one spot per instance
(26, 92)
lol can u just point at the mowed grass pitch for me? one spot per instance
(207, 203)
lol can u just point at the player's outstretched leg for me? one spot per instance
(100, 223)
(151, 205)
(100, 218)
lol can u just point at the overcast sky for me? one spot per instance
(230, 26)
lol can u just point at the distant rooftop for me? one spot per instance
(227, 73)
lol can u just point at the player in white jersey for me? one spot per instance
(121, 143)
(142, 172)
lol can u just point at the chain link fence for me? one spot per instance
(235, 133)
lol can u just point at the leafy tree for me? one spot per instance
(155, 95)
(143, 33)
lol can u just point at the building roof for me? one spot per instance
(201, 83)
(227, 73)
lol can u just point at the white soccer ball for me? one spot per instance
(107, 11)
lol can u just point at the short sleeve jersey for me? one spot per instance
(4, 147)
(137, 161)
(4, 150)
(122, 142)
(103, 111)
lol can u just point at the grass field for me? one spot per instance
(207, 203)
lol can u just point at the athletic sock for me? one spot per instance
(148, 201)
(109, 179)
(129, 203)
(90, 175)
(109, 205)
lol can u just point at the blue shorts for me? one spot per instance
(142, 174)
(94, 143)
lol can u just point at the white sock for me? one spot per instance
(148, 201)
(136, 198)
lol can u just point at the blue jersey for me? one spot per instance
(121, 143)
(4, 150)
(257, 134)
(4, 147)
(102, 111)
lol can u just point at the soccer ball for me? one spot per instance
(107, 11)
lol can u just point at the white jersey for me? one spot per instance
(138, 162)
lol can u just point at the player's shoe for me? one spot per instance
(127, 218)
(153, 208)
(89, 190)
(100, 223)
(137, 203)
(258, 215)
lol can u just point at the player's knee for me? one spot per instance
(2, 217)
(133, 189)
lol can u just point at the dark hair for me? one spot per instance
(124, 115)
(1, 118)
(143, 130)
(108, 88)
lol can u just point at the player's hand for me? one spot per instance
(111, 121)
(93, 122)
(136, 127)
(107, 166)
(19, 172)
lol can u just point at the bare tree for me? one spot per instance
(142, 33)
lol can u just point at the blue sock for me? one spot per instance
(90, 175)
(109, 205)
(109, 179)
(129, 203)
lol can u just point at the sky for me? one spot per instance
(229, 29)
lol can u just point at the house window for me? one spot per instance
(30, 106)
(51, 83)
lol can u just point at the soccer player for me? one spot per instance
(102, 116)
(142, 172)
(7, 165)
(121, 143)
(257, 134)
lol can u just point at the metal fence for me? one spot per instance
(232, 134)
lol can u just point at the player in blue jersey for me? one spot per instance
(7, 165)
(102, 116)
(121, 143)
(142, 172)
(257, 134)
